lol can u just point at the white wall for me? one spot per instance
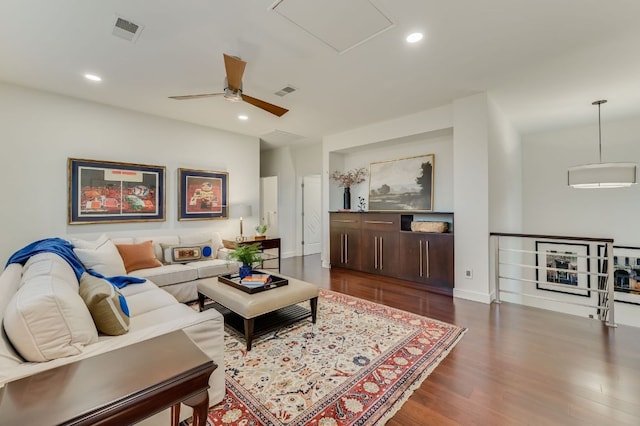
(40, 130)
(279, 162)
(551, 207)
(471, 196)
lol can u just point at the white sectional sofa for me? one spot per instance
(49, 319)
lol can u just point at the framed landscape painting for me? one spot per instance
(563, 268)
(202, 195)
(110, 192)
(405, 184)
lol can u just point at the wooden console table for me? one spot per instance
(119, 387)
(265, 244)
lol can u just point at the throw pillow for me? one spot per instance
(107, 306)
(101, 256)
(184, 253)
(138, 256)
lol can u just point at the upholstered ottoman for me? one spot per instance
(263, 311)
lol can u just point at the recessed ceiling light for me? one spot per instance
(92, 77)
(414, 37)
(243, 117)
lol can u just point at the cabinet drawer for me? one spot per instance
(345, 220)
(381, 222)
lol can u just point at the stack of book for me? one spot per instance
(256, 280)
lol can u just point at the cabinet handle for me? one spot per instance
(341, 248)
(346, 248)
(421, 269)
(384, 222)
(381, 256)
(426, 245)
(343, 221)
(375, 252)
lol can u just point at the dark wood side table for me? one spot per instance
(119, 387)
(265, 244)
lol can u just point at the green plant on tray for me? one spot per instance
(247, 254)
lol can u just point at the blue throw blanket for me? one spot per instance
(64, 249)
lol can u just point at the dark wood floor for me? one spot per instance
(515, 365)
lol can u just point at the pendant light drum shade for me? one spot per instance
(602, 175)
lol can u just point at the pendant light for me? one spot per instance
(602, 175)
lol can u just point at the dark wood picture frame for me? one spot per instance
(115, 192)
(202, 194)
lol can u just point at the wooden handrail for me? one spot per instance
(551, 237)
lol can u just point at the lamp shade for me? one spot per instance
(602, 175)
(241, 210)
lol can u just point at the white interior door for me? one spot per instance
(311, 230)
(269, 204)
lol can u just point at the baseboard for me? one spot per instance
(472, 295)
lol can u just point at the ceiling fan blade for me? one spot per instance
(273, 109)
(204, 95)
(235, 69)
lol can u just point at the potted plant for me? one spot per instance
(248, 255)
(260, 231)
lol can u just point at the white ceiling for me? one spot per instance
(543, 61)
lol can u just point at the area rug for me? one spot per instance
(356, 366)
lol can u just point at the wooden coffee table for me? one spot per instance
(119, 387)
(259, 313)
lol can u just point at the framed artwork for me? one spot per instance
(110, 192)
(405, 184)
(202, 195)
(563, 268)
(626, 273)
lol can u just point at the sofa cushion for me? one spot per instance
(46, 320)
(168, 274)
(102, 256)
(138, 256)
(107, 306)
(148, 301)
(185, 253)
(49, 264)
(214, 267)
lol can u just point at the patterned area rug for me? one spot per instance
(356, 366)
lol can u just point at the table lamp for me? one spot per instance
(242, 211)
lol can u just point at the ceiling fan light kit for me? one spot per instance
(602, 175)
(234, 68)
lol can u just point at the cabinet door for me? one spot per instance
(344, 240)
(379, 253)
(427, 259)
(440, 260)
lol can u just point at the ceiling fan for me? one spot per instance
(234, 67)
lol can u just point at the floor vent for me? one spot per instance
(126, 29)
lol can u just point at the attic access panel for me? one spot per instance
(340, 24)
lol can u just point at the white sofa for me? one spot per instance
(178, 277)
(47, 323)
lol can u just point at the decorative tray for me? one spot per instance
(234, 281)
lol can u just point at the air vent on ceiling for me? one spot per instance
(126, 29)
(286, 90)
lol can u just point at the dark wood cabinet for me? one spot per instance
(427, 258)
(345, 240)
(383, 243)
